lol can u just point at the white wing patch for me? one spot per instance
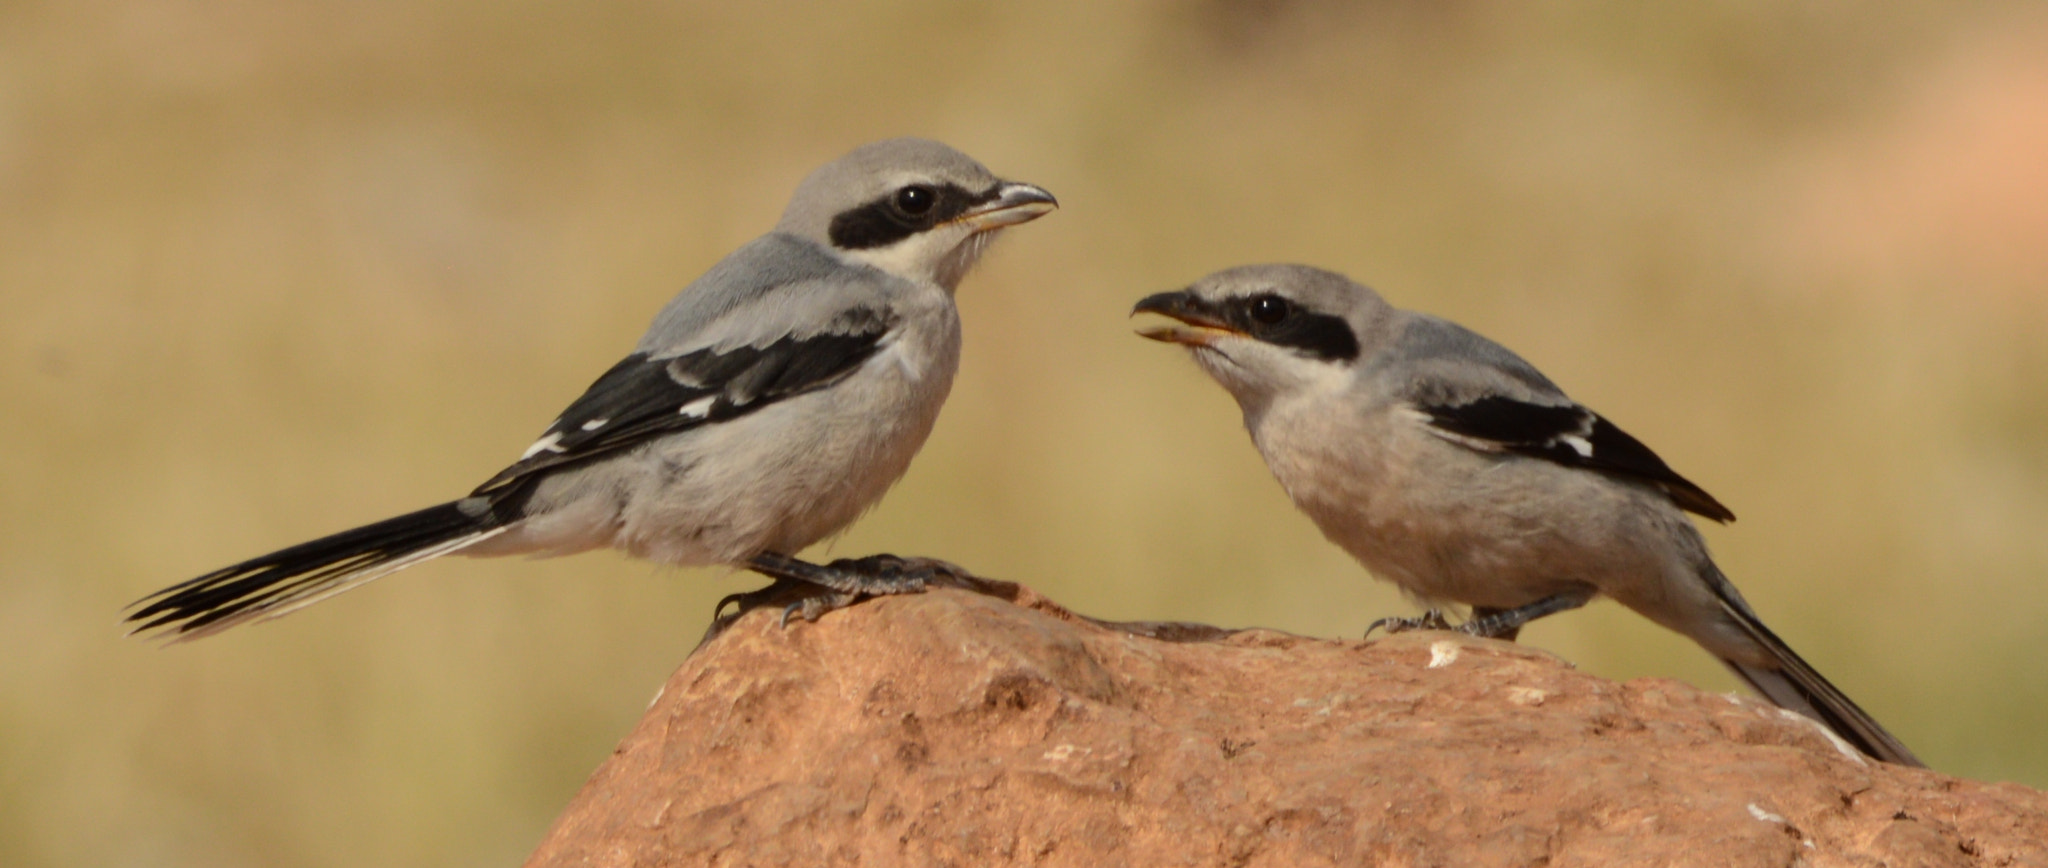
(595, 424)
(551, 443)
(699, 408)
(1578, 444)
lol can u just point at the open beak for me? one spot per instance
(1193, 324)
(1014, 203)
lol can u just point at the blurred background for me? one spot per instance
(273, 270)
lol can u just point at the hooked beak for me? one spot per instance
(1194, 324)
(1014, 203)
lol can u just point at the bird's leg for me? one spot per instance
(873, 576)
(1482, 613)
(1430, 620)
(905, 575)
(1506, 623)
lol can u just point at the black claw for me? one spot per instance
(796, 596)
(817, 605)
(1430, 620)
(718, 609)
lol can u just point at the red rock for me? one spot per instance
(952, 728)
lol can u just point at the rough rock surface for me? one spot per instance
(953, 728)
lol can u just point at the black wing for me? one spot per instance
(1570, 435)
(642, 398)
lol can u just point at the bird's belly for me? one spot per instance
(1438, 556)
(1462, 534)
(790, 474)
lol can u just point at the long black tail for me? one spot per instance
(1793, 684)
(289, 579)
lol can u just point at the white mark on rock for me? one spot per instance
(1764, 815)
(1842, 746)
(1442, 654)
(1327, 703)
(1062, 752)
(1527, 695)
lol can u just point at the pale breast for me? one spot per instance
(1444, 523)
(801, 470)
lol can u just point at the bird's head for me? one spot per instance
(1265, 331)
(914, 208)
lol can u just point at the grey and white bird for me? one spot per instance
(1449, 466)
(771, 403)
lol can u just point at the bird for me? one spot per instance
(1448, 465)
(771, 402)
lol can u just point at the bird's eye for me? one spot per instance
(916, 199)
(1270, 309)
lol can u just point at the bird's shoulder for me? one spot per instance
(771, 287)
(1440, 355)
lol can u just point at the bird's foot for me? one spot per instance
(1492, 624)
(1488, 623)
(872, 576)
(1430, 620)
(879, 575)
(813, 606)
(811, 590)
(795, 596)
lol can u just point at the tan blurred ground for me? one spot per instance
(269, 270)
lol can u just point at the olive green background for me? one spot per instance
(269, 270)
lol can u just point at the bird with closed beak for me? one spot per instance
(772, 401)
(1449, 466)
